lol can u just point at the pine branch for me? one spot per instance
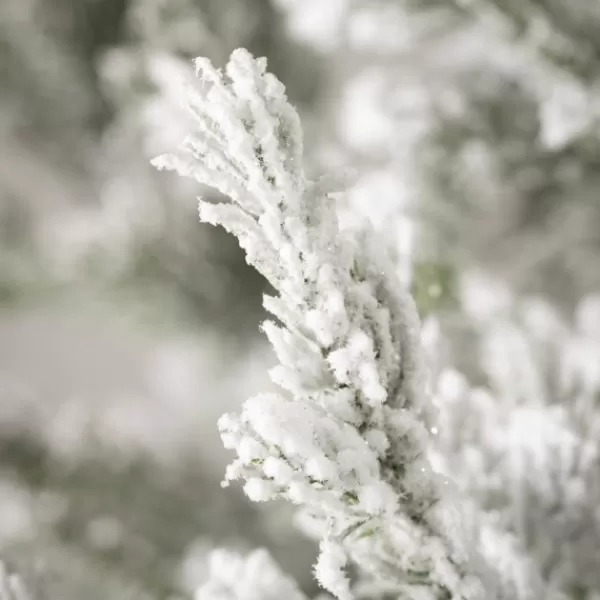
(347, 434)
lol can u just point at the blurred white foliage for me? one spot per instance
(16, 524)
(379, 28)
(566, 113)
(317, 23)
(105, 533)
(256, 576)
(156, 107)
(89, 381)
(105, 235)
(173, 25)
(526, 449)
(12, 586)
(362, 122)
(483, 296)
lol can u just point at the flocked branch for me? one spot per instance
(347, 434)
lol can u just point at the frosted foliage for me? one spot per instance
(256, 576)
(527, 450)
(345, 437)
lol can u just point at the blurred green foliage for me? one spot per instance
(434, 287)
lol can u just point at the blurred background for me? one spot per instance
(127, 328)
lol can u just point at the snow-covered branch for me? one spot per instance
(347, 436)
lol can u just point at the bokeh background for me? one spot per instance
(127, 328)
